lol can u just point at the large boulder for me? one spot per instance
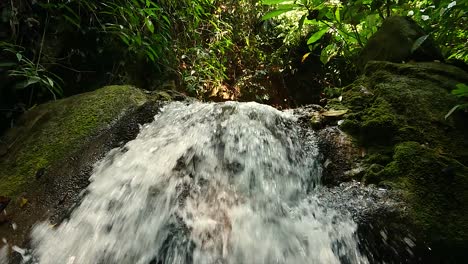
(400, 39)
(47, 158)
(396, 114)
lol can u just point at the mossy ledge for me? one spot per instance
(397, 114)
(48, 133)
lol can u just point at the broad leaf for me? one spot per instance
(276, 13)
(337, 14)
(461, 90)
(328, 53)
(149, 25)
(316, 36)
(28, 82)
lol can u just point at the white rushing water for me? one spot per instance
(204, 183)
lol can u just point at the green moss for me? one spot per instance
(401, 102)
(437, 188)
(397, 113)
(335, 104)
(378, 158)
(379, 123)
(51, 131)
(357, 96)
(373, 173)
(376, 123)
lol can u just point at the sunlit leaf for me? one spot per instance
(274, 2)
(276, 13)
(337, 14)
(328, 53)
(452, 4)
(149, 25)
(305, 57)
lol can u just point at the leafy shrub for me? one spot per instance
(27, 73)
(446, 21)
(351, 23)
(462, 92)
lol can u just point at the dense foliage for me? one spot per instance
(204, 48)
(51, 49)
(349, 24)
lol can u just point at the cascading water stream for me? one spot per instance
(205, 183)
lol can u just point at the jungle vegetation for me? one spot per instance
(54, 49)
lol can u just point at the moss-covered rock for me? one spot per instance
(436, 187)
(397, 112)
(48, 133)
(395, 40)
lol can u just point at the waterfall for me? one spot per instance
(204, 183)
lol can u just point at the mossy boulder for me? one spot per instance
(399, 39)
(49, 156)
(49, 132)
(397, 113)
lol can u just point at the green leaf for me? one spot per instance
(451, 111)
(461, 90)
(337, 14)
(316, 36)
(274, 2)
(276, 13)
(305, 57)
(166, 19)
(301, 22)
(149, 25)
(50, 82)
(418, 43)
(328, 53)
(7, 64)
(28, 82)
(19, 56)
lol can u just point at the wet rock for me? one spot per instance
(381, 215)
(342, 154)
(409, 146)
(53, 149)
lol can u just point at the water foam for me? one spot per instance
(205, 183)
